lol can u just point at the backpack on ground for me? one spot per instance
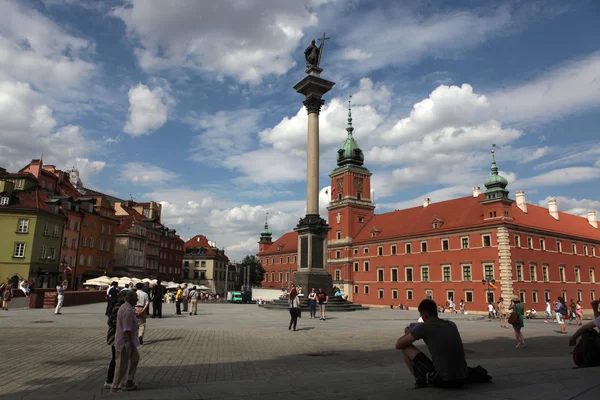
(478, 375)
(587, 351)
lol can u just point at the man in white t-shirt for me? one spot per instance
(548, 311)
(491, 311)
(141, 306)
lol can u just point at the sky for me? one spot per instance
(190, 103)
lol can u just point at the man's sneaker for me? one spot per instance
(107, 385)
(420, 385)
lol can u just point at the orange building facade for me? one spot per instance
(477, 248)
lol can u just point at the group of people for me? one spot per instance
(315, 298)
(447, 367)
(189, 297)
(6, 289)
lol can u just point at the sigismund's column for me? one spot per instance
(312, 229)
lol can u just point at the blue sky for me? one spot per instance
(192, 105)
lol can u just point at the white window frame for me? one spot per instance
(558, 246)
(380, 293)
(46, 229)
(366, 266)
(562, 274)
(380, 272)
(55, 231)
(365, 250)
(519, 272)
(407, 248)
(394, 294)
(493, 270)
(445, 240)
(412, 274)
(424, 242)
(534, 296)
(410, 294)
(356, 266)
(585, 250)
(43, 253)
(422, 269)
(577, 271)
(366, 289)
(337, 274)
(393, 249)
(533, 277)
(483, 236)
(380, 250)
(462, 271)
(4, 201)
(462, 245)
(530, 242)
(517, 240)
(546, 272)
(592, 274)
(444, 266)
(23, 226)
(467, 297)
(19, 250)
(392, 274)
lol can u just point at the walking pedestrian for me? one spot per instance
(548, 311)
(141, 306)
(148, 291)
(572, 311)
(502, 313)
(110, 338)
(111, 297)
(294, 306)
(157, 300)
(178, 299)
(60, 296)
(7, 295)
(322, 298)
(193, 295)
(186, 292)
(491, 310)
(462, 306)
(312, 303)
(518, 309)
(561, 311)
(126, 343)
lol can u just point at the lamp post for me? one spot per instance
(488, 282)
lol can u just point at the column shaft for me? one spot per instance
(312, 165)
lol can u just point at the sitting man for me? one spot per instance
(448, 368)
(590, 356)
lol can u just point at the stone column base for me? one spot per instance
(314, 279)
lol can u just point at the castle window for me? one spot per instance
(407, 248)
(359, 196)
(445, 244)
(338, 235)
(487, 240)
(361, 219)
(393, 249)
(339, 196)
(424, 247)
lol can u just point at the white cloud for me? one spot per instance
(87, 168)
(148, 108)
(268, 165)
(536, 154)
(34, 49)
(445, 106)
(561, 176)
(146, 174)
(225, 133)
(397, 35)
(256, 40)
(567, 89)
(573, 206)
(29, 129)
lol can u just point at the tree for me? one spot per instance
(256, 270)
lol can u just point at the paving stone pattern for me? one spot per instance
(235, 351)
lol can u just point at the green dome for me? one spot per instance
(495, 180)
(350, 153)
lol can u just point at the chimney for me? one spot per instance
(426, 201)
(553, 208)
(521, 203)
(197, 239)
(476, 191)
(592, 218)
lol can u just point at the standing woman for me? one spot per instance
(294, 305)
(312, 302)
(502, 313)
(110, 336)
(579, 313)
(518, 309)
(7, 295)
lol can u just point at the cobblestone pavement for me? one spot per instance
(241, 350)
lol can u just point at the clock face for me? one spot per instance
(340, 185)
(358, 184)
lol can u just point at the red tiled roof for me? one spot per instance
(132, 212)
(202, 241)
(567, 224)
(125, 223)
(455, 214)
(287, 243)
(22, 175)
(34, 199)
(66, 188)
(458, 213)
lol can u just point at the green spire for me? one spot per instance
(495, 183)
(350, 129)
(266, 234)
(350, 153)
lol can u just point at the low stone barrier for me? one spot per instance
(47, 298)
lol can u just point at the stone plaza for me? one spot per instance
(243, 351)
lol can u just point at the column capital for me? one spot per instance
(313, 104)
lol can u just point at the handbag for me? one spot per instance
(513, 319)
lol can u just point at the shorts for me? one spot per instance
(425, 374)
(560, 319)
(549, 314)
(322, 307)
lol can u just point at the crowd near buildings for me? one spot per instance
(53, 228)
(477, 248)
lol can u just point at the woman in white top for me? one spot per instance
(294, 305)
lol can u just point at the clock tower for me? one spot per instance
(350, 206)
